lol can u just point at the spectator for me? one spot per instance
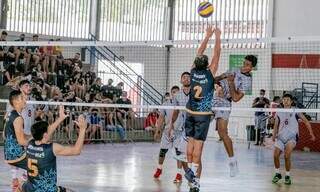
(96, 87)
(6, 54)
(260, 117)
(33, 54)
(125, 113)
(151, 120)
(109, 90)
(9, 74)
(274, 104)
(95, 125)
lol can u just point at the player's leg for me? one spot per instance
(189, 131)
(223, 134)
(287, 156)
(201, 131)
(14, 175)
(165, 145)
(279, 146)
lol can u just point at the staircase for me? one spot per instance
(116, 65)
(308, 97)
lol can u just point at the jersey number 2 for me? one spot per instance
(198, 90)
(33, 168)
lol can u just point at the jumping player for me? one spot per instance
(199, 110)
(285, 135)
(233, 88)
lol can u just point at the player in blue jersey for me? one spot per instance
(41, 157)
(199, 110)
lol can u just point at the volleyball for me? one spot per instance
(205, 9)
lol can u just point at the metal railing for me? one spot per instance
(100, 129)
(153, 96)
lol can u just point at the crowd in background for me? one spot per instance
(55, 78)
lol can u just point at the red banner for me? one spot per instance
(306, 61)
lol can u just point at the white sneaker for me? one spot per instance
(234, 170)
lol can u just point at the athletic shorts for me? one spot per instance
(197, 126)
(28, 187)
(168, 143)
(221, 102)
(281, 142)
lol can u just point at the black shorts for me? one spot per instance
(197, 126)
(28, 187)
(22, 164)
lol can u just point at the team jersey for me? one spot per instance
(243, 82)
(28, 115)
(167, 113)
(201, 93)
(181, 99)
(288, 124)
(42, 168)
(13, 151)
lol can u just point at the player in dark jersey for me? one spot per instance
(41, 157)
(199, 105)
(15, 138)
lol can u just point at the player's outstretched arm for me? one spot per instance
(216, 52)
(55, 125)
(60, 150)
(204, 43)
(308, 125)
(18, 129)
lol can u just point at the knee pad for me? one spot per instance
(178, 152)
(163, 152)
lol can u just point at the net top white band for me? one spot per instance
(160, 43)
(103, 105)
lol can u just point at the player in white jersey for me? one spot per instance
(233, 89)
(179, 118)
(285, 135)
(27, 114)
(167, 142)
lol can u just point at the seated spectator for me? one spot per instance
(108, 90)
(95, 124)
(33, 54)
(112, 125)
(6, 53)
(96, 86)
(21, 52)
(124, 114)
(9, 74)
(151, 120)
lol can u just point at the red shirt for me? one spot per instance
(151, 119)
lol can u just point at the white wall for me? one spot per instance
(296, 18)
(291, 78)
(153, 60)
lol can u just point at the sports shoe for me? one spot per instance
(189, 175)
(15, 184)
(234, 170)
(157, 173)
(178, 178)
(195, 186)
(287, 180)
(276, 178)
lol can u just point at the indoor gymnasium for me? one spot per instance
(159, 96)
